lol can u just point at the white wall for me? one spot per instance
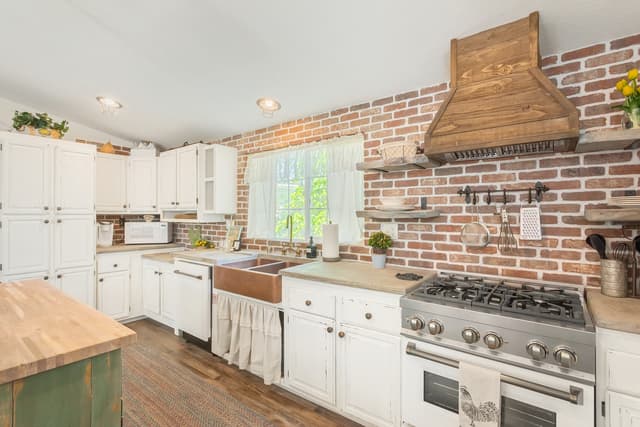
(76, 130)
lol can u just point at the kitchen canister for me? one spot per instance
(613, 278)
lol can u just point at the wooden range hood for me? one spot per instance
(500, 103)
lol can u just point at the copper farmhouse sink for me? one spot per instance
(256, 278)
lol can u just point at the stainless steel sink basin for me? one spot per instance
(256, 278)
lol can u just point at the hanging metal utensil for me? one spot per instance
(621, 252)
(475, 234)
(507, 242)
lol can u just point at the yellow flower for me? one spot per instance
(627, 90)
(632, 74)
(622, 83)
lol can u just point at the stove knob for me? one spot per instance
(566, 357)
(470, 335)
(537, 350)
(493, 340)
(434, 327)
(416, 323)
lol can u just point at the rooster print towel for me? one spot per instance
(479, 400)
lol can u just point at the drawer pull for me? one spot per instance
(193, 276)
(307, 302)
(59, 276)
(329, 329)
(341, 334)
(59, 208)
(46, 208)
(115, 265)
(368, 316)
(101, 280)
(46, 221)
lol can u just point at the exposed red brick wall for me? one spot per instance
(585, 75)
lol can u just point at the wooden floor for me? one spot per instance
(275, 404)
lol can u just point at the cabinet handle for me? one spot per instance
(46, 208)
(59, 208)
(177, 203)
(329, 329)
(155, 272)
(368, 316)
(341, 334)
(45, 278)
(101, 280)
(124, 206)
(59, 276)
(46, 221)
(307, 302)
(59, 221)
(115, 265)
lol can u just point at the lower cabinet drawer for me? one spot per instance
(112, 262)
(312, 301)
(371, 315)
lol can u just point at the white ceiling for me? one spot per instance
(191, 70)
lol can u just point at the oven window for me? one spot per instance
(519, 414)
(443, 392)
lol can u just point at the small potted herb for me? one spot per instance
(379, 243)
(39, 124)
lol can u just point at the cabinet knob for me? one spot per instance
(101, 280)
(177, 203)
(45, 278)
(59, 276)
(115, 265)
(124, 206)
(59, 221)
(368, 316)
(341, 334)
(153, 206)
(59, 208)
(46, 221)
(46, 208)
(329, 329)
(307, 302)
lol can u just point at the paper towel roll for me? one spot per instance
(330, 243)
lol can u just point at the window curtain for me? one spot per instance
(345, 185)
(261, 177)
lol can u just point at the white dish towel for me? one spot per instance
(479, 399)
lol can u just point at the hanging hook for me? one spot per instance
(488, 197)
(475, 198)
(530, 195)
(504, 196)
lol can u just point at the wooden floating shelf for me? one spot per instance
(374, 213)
(613, 214)
(609, 139)
(421, 162)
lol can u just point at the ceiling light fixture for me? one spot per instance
(108, 105)
(268, 106)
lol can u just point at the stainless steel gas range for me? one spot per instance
(538, 336)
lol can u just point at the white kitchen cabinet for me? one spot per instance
(219, 165)
(75, 183)
(168, 293)
(26, 244)
(77, 283)
(365, 390)
(74, 240)
(624, 410)
(141, 185)
(187, 178)
(150, 288)
(111, 183)
(343, 349)
(310, 355)
(113, 294)
(27, 161)
(167, 176)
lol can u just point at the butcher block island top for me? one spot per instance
(359, 275)
(41, 329)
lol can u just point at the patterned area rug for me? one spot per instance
(159, 392)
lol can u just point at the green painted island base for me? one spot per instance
(84, 393)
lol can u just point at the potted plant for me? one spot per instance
(631, 92)
(39, 124)
(379, 243)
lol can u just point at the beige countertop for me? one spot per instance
(619, 314)
(132, 248)
(41, 328)
(359, 275)
(166, 257)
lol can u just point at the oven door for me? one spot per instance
(529, 398)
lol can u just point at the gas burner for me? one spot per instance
(545, 302)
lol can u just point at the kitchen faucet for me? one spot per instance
(286, 247)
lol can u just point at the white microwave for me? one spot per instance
(145, 233)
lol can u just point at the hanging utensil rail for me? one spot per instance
(539, 188)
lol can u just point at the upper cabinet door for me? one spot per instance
(141, 186)
(167, 180)
(111, 183)
(75, 174)
(25, 243)
(26, 176)
(74, 244)
(187, 178)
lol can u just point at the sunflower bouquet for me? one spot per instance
(631, 91)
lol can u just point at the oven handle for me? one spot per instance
(193, 276)
(574, 395)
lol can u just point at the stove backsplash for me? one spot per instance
(577, 181)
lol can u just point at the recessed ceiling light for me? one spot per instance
(268, 106)
(108, 105)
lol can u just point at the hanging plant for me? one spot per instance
(39, 124)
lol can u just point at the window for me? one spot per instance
(310, 184)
